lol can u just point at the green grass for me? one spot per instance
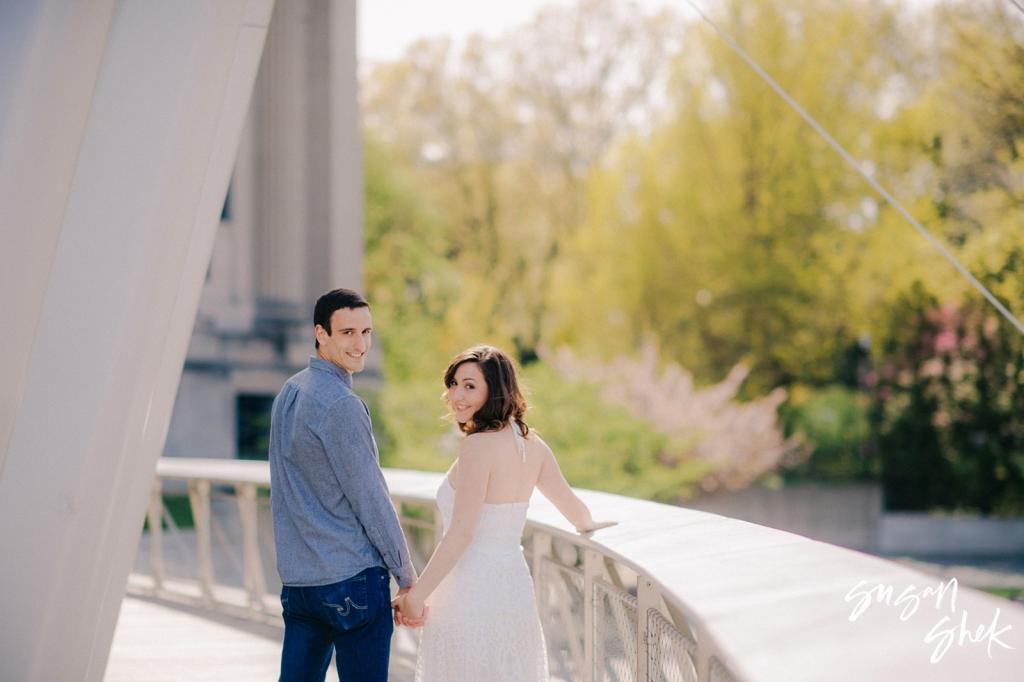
(1010, 593)
(179, 508)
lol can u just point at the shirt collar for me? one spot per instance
(321, 365)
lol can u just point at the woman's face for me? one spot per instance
(469, 392)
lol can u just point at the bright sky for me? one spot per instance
(387, 27)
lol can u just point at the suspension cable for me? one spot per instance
(890, 199)
(1018, 5)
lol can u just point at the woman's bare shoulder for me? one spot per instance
(480, 442)
(536, 438)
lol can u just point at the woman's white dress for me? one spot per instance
(483, 623)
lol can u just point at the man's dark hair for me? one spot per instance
(331, 301)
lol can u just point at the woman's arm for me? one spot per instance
(471, 474)
(554, 487)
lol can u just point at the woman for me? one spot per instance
(483, 622)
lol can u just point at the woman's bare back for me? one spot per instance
(514, 473)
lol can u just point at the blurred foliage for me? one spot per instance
(409, 280)
(601, 445)
(382, 434)
(733, 226)
(835, 420)
(949, 413)
(602, 178)
(735, 443)
(502, 134)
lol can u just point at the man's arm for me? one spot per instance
(348, 441)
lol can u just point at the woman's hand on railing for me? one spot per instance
(596, 525)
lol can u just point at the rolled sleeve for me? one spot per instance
(347, 438)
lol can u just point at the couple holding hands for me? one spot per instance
(338, 538)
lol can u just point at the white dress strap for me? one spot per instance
(517, 435)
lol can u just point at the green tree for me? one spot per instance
(407, 280)
(571, 184)
(949, 408)
(731, 228)
(503, 133)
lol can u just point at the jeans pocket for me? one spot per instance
(346, 604)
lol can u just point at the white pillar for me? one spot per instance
(346, 157)
(279, 115)
(309, 172)
(119, 122)
(44, 104)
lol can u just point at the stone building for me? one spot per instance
(291, 229)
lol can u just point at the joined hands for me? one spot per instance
(409, 609)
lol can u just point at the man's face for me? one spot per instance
(349, 341)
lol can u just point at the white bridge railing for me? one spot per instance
(669, 594)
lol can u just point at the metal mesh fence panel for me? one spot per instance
(615, 633)
(671, 654)
(560, 602)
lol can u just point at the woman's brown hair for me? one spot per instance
(504, 399)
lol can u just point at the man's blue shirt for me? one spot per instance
(333, 516)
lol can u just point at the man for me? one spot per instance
(336, 532)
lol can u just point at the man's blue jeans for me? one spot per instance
(352, 617)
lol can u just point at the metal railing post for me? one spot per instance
(592, 570)
(199, 499)
(647, 598)
(252, 564)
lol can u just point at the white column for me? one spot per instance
(308, 202)
(281, 172)
(346, 159)
(117, 139)
(44, 104)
